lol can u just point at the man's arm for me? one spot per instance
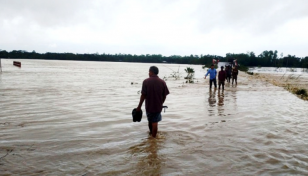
(142, 98)
(206, 74)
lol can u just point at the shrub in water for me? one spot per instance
(301, 92)
(190, 74)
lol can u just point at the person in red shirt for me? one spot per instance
(222, 75)
(154, 92)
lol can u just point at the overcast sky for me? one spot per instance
(167, 27)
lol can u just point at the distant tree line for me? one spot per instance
(269, 59)
(265, 59)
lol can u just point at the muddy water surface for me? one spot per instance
(74, 118)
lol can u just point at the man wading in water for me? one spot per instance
(213, 74)
(222, 75)
(154, 92)
(228, 71)
(234, 75)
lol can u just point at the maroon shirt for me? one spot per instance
(222, 75)
(154, 89)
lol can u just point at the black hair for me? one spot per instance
(154, 70)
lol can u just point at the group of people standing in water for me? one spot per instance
(154, 92)
(227, 74)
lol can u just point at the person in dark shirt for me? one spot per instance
(234, 74)
(221, 78)
(228, 71)
(154, 92)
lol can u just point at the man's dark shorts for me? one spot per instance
(154, 117)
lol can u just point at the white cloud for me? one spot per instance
(178, 27)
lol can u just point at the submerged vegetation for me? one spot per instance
(294, 88)
(291, 83)
(300, 92)
(175, 74)
(190, 75)
(243, 68)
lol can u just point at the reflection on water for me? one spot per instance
(150, 162)
(220, 103)
(220, 98)
(74, 118)
(213, 102)
(212, 98)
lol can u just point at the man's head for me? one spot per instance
(153, 71)
(222, 67)
(212, 66)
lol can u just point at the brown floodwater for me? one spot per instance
(74, 118)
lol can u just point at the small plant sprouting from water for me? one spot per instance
(165, 78)
(190, 75)
(174, 74)
(293, 77)
(293, 70)
(298, 77)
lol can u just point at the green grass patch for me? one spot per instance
(243, 68)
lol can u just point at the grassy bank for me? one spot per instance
(293, 83)
(300, 92)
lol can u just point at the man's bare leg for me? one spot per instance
(154, 129)
(150, 128)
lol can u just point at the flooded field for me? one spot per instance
(74, 118)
